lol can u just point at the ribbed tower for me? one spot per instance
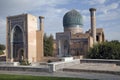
(93, 23)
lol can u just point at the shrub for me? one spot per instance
(1, 52)
(106, 50)
(49, 61)
(23, 62)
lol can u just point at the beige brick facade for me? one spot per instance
(24, 41)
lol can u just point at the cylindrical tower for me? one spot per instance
(39, 40)
(41, 23)
(93, 23)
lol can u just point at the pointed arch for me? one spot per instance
(17, 41)
(18, 27)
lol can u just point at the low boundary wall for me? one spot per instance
(60, 65)
(6, 63)
(24, 68)
(54, 66)
(104, 61)
(2, 58)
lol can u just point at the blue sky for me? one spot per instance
(107, 14)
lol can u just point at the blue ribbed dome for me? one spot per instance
(71, 18)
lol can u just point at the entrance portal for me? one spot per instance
(17, 43)
(21, 55)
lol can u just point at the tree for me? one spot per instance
(48, 45)
(105, 50)
(2, 47)
(50, 39)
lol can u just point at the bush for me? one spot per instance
(49, 61)
(2, 47)
(1, 52)
(106, 50)
(23, 62)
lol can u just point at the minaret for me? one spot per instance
(41, 23)
(39, 40)
(93, 23)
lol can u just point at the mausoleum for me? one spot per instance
(73, 41)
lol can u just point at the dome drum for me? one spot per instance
(74, 30)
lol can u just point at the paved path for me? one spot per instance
(86, 75)
(92, 67)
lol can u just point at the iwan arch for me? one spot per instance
(24, 39)
(17, 43)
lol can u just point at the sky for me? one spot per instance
(107, 14)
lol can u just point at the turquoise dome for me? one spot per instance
(71, 18)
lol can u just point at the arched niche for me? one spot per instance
(17, 42)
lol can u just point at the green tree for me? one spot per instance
(2, 47)
(105, 50)
(50, 39)
(48, 45)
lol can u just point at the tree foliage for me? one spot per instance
(48, 45)
(105, 50)
(2, 47)
(1, 52)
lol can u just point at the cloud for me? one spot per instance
(108, 12)
(112, 15)
(107, 8)
(2, 22)
(54, 10)
(2, 31)
(17, 6)
(94, 2)
(53, 20)
(53, 15)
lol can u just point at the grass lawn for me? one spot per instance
(21, 77)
